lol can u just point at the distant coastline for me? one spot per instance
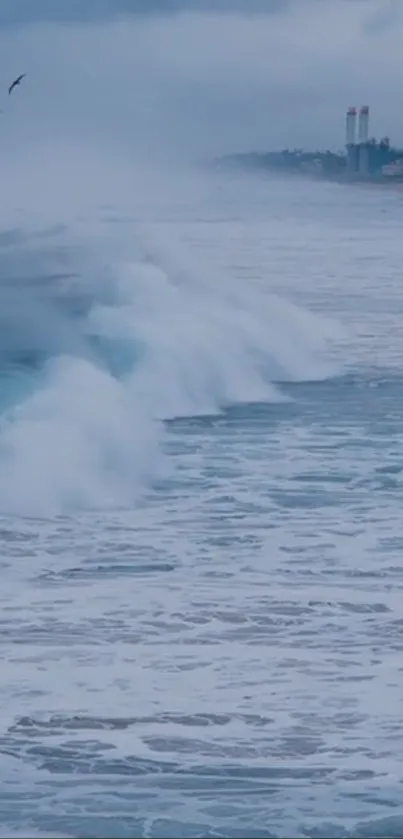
(365, 160)
(327, 166)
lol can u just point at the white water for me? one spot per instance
(200, 616)
(182, 340)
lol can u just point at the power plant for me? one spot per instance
(364, 155)
(365, 159)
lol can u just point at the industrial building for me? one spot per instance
(364, 155)
(365, 159)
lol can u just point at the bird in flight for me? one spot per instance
(16, 82)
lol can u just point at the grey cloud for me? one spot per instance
(387, 15)
(14, 12)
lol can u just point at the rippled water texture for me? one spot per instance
(201, 460)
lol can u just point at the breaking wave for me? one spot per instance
(94, 360)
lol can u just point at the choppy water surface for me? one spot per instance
(201, 461)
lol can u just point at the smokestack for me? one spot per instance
(363, 129)
(351, 120)
(363, 124)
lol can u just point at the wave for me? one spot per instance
(92, 366)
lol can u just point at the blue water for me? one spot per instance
(201, 490)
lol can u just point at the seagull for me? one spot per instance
(15, 82)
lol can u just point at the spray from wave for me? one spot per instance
(82, 426)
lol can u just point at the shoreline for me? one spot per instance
(375, 183)
(269, 164)
(368, 183)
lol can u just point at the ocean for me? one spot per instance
(201, 495)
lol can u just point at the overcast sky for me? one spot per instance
(197, 77)
(19, 11)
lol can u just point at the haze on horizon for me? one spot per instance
(183, 79)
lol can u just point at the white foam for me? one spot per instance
(88, 438)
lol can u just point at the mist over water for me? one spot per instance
(200, 430)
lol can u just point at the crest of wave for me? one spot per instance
(183, 343)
